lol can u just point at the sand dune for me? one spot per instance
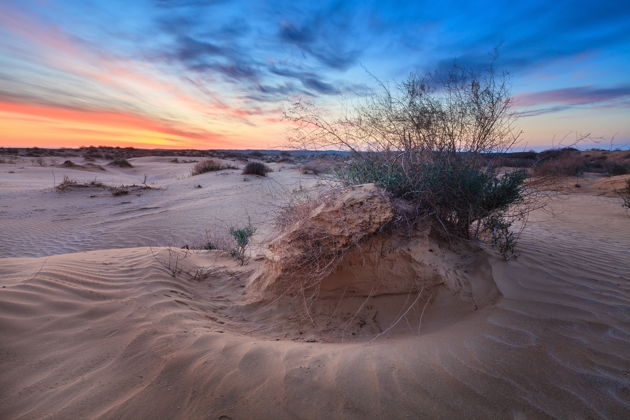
(110, 333)
(39, 221)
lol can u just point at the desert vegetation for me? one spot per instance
(69, 184)
(321, 166)
(572, 162)
(427, 143)
(256, 168)
(242, 237)
(121, 163)
(624, 193)
(209, 165)
(235, 240)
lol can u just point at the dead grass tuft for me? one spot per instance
(209, 165)
(69, 184)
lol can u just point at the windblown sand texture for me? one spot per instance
(94, 325)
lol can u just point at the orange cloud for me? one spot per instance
(47, 125)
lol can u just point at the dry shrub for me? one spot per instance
(624, 193)
(66, 184)
(217, 238)
(69, 164)
(510, 162)
(616, 168)
(177, 160)
(256, 168)
(300, 206)
(118, 191)
(319, 166)
(567, 164)
(69, 184)
(458, 195)
(427, 143)
(295, 210)
(571, 162)
(121, 163)
(236, 240)
(209, 165)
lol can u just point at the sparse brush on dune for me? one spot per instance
(118, 191)
(427, 143)
(320, 166)
(458, 195)
(556, 163)
(235, 240)
(209, 165)
(256, 168)
(68, 184)
(65, 184)
(121, 163)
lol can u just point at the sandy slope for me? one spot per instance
(111, 334)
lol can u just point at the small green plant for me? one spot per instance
(458, 195)
(242, 237)
(501, 237)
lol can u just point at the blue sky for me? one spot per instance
(217, 74)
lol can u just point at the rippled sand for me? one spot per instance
(109, 333)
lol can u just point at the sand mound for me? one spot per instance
(310, 249)
(345, 247)
(390, 264)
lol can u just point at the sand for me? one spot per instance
(93, 324)
(38, 221)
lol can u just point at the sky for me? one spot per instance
(218, 74)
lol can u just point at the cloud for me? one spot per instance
(537, 33)
(320, 86)
(567, 98)
(169, 4)
(541, 111)
(329, 50)
(210, 62)
(221, 51)
(309, 80)
(579, 95)
(335, 33)
(113, 118)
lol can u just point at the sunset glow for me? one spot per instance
(194, 74)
